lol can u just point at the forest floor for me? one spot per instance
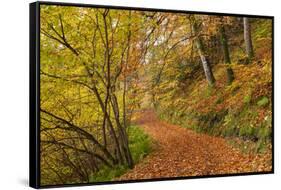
(179, 151)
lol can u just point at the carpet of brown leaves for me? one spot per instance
(182, 152)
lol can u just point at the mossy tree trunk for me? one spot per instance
(227, 60)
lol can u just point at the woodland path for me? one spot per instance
(182, 152)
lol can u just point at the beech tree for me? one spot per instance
(248, 38)
(95, 49)
(201, 51)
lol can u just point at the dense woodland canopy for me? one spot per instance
(100, 67)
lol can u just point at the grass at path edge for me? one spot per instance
(140, 145)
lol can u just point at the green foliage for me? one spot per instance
(247, 99)
(108, 174)
(229, 131)
(263, 29)
(140, 145)
(247, 132)
(263, 101)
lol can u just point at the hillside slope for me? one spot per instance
(242, 111)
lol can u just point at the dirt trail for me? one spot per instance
(183, 152)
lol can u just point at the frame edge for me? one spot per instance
(34, 149)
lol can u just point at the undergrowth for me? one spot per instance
(140, 145)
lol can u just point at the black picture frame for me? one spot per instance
(34, 92)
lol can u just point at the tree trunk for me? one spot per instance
(248, 38)
(227, 60)
(122, 133)
(200, 47)
(125, 72)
